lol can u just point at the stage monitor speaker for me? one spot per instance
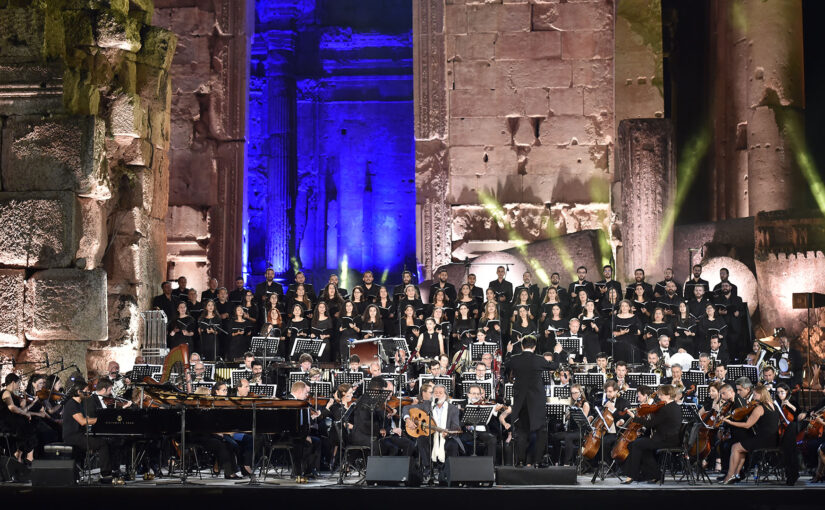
(469, 470)
(553, 475)
(53, 473)
(391, 471)
(803, 300)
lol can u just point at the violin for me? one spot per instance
(52, 396)
(742, 413)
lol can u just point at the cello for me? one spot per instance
(621, 449)
(704, 441)
(594, 439)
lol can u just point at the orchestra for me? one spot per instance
(622, 364)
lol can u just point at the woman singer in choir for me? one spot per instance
(641, 306)
(349, 327)
(359, 300)
(523, 326)
(373, 326)
(685, 330)
(551, 297)
(300, 297)
(711, 324)
(465, 295)
(332, 298)
(298, 326)
(491, 323)
(182, 329)
(411, 297)
(464, 327)
(590, 328)
(239, 335)
(387, 309)
(523, 301)
(250, 309)
(409, 326)
(209, 325)
(656, 328)
(273, 327)
(322, 328)
(439, 300)
(627, 330)
(555, 325)
(430, 342)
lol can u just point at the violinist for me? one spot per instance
(360, 435)
(763, 421)
(612, 401)
(571, 434)
(664, 425)
(45, 427)
(713, 403)
(336, 408)
(789, 426)
(78, 413)
(15, 418)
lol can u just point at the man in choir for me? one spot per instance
(476, 292)
(698, 302)
(531, 288)
(564, 297)
(443, 284)
(789, 362)
(238, 293)
(211, 293)
(301, 279)
(502, 288)
(724, 274)
(370, 289)
(166, 302)
(333, 279)
(661, 287)
(581, 283)
(639, 279)
(695, 281)
(670, 300)
(729, 306)
(267, 287)
(603, 286)
(181, 293)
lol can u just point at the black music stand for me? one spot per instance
(650, 380)
(571, 344)
(547, 377)
(696, 377)
(354, 379)
(294, 377)
(342, 456)
(702, 393)
(265, 345)
(475, 415)
(264, 390)
(479, 349)
(508, 393)
(560, 391)
(447, 382)
(238, 374)
(485, 384)
(737, 371)
(689, 413)
(308, 345)
(577, 416)
(372, 400)
(392, 345)
(321, 389)
(141, 372)
(555, 412)
(589, 380)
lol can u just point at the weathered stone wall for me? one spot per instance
(528, 116)
(84, 116)
(209, 76)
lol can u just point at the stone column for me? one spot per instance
(282, 156)
(776, 100)
(646, 170)
(431, 151)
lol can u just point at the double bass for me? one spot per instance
(621, 449)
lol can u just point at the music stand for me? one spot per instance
(737, 371)
(508, 393)
(577, 416)
(207, 385)
(546, 377)
(560, 391)
(393, 344)
(141, 372)
(475, 415)
(694, 365)
(630, 395)
(689, 413)
(555, 412)
(209, 371)
(485, 384)
(479, 349)
(446, 381)
(238, 374)
(265, 346)
(696, 377)
(294, 377)
(571, 344)
(397, 380)
(321, 389)
(352, 378)
(589, 380)
(650, 380)
(308, 345)
(373, 400)
(701, 392)
(263, 390)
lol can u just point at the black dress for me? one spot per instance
(766, 431)
(238, 344)
(682, 340)
(181, 324)
(429, 345)
(17, 425)
(410, 333)
(209, 347)
(628, 347)
(324, 327)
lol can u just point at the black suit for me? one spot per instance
(502, 288)
(529, 397)
(264, 289)
(666, 424)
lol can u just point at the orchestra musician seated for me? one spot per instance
(763, 421)
(484, 440)
(664, 425)
(438, 446)
(307, 448)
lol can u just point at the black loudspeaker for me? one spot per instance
(553, 475)
(469, 470)
(12, 471)
(53, 473)
(391, 471)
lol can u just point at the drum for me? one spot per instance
(367, 350)
(682, 358)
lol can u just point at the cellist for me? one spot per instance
(664, 425)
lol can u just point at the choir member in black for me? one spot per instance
(529, 396)
(333, 279)
(181, 328)
(476, 291)
(561, 292)
(522, 300)
(443, 325)
(275, 301)
(349, 328)
(764, 422)
(724, 274)
(209, 328)
(301, 279)
(411, 297)
(609, 303)
(502, 288)
(237, 294)
(464, 327)
(641, 305)
(710, 325)
(193, 306)
(439, 300)
(571, 434)
(333, 300)
(522, 327)
(582, 283)
(695, 281)
(15, 419)
(388, 311)
(240, 333)
(181, 293)
(225, 310)
(490, 323)
(579, 302)
(250, 309)
(322, 328)
(658, 326)
(267, 287)
(359, 300)
(551, 297)
(729, 307)
(639, 279)
(685, 330)
(665, 426)
(698, 302)
(531, 288)
(789, 362)
(78, 413)
(369, 288)
(398, 290)
(298, 326)
(211, 293)
(409, 326)
(660, 289)
(465, 295)
(373, 326)
(627, 331)
(273, 324)
(442, 284)
(165, 301)
(431, 343)
(300, 297)
(604, 285)
(590, 326)
(554, 325)
(670, 299)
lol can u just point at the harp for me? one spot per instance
(177, 357)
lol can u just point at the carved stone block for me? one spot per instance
(38, 229)
(12, 287)
(66, 304)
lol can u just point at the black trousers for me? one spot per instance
(221, 449)
(393, 445)
(485, 443)
(788, 446)
(523, 428)
(95, 444)
(422, 444)
(641, 463)
(570, 439)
